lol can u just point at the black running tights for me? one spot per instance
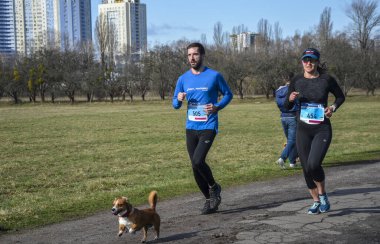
(313, 141)
(198, 144)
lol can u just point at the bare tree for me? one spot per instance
(16, 84)
(101, 35)
(4, 75)
(107, 43)
(70, 74)
(236, 72)
(218, 34)
(89, 70)
(277, 34)
(343, 61)
(264, 29)
(204, 39)
(324, 30)
(32, 84)
(221, 39)
(167, 65)
(365, 19)
(131, 78)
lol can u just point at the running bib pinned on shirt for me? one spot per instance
(195, 112)
(312, 113)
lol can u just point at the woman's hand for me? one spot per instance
(328, 111)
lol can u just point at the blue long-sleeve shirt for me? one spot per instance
(202, 89)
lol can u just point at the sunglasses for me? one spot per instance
(311, 60)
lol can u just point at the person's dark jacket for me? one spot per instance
(281, 94)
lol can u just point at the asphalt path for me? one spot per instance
(262, 212)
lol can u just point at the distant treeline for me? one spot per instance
(353, 57)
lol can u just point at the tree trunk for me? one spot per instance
(42, 94)
(70, 94)
(14, 95)
(33, 96)
(240, 89)
(162, 94)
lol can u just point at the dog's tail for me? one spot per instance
(153, 200)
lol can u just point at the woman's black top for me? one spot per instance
(314, 90)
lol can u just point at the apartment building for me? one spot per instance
(72, 22)
(34, 22)
(129, 19)
(47, 23)
(243, 41)
(7, 28)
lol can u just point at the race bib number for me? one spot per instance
(195, 112)
(312, 113)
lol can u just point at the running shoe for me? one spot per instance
(314, 209)
(281, 162)
(215, 197)
(206, 208)
(292, 165)
(325, 204)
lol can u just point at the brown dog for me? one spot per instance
(134, 219)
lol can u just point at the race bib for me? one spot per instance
(312, 113)
(195, 112)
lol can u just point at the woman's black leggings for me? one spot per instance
(313, 141)
(198, 144)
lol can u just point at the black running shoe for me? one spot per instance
(206, 208)
(215, 197)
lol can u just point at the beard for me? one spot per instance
(196, 66)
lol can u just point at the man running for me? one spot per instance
(200, 86)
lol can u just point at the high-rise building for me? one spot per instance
(34, 22)
(129, 19)
(72, 23)
(7, 27)
(48, 23)
(243, 41)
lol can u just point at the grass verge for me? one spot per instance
(62, 161)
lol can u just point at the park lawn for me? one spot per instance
(64, 161)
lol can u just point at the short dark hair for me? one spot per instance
(199, 46)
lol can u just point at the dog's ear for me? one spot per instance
(125, 199)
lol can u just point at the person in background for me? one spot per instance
(314, 132)
(200, 86)
(289, 124)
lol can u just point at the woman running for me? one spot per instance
(314, 133)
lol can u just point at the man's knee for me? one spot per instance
(197, 164)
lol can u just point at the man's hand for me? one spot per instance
(181, 96)
(211, 108)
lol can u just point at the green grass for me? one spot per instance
(67, 161)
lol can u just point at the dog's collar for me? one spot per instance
(126, 213)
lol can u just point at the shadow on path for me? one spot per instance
(351, 191)
(176, 237)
